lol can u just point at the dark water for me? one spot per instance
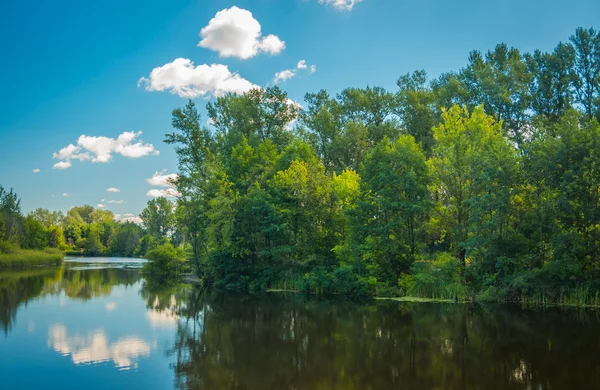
(93, 327)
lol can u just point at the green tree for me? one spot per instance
(416, 108)
(587, 69)
(473, 167)
(551, 87)
(393, 205)
(158, 217)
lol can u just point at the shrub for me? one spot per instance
(166, 261)
(438, 278)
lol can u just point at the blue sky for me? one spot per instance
(71, 68)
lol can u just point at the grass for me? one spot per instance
(577, 297)
(419, 299)
(281, 290)
(24, 258)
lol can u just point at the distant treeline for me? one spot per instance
(84, 230)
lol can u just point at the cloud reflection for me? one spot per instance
(95, 348)
(163, 317)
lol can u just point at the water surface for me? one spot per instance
(104, 327)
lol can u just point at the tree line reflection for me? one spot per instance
(231, 342)
(19, 287)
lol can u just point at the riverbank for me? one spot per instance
(23, 258)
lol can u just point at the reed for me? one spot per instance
(24, 258)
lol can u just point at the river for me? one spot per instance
(102, 326)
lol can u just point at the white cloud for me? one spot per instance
(65, 194)
(167, 193)
(62, 165)
(284, 75)
(341, 5)
(182, 78)
(100, 206)
(36, 170)
(113, 189)
(162, 180)
(116, 201)
(289, 73)
(100, 149)
(136, 220)
(128, 217)
(234, 32)
(110, 306)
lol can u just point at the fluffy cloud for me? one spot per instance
(313, 68)
(301, 64)
(234, 32)
(36, 170)
(62, 165)
(167, 193)
(100, 206)
(128, 218)
(162, 180)
(284, 75)
(65, 194)
(113, 189)
(341, 5)
(100, 149)
(182, 78)
(136, 220)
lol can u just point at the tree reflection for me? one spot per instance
(229, 342)
(19, 287)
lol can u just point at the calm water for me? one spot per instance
(104, 327)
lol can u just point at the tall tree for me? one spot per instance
(394, 202)
(473, 166)
(587, 68)
(158, 217)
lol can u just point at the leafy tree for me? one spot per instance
(126, 240)
(473, 166)
(158, 217)
(393, 205)
(416, 108)
(500, 81)
(35, 234)
(587, 68)
(551, 87)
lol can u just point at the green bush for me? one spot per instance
(8, 248)
(439, 278)
(166, 261)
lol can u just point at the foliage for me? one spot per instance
(438, 278)
(166, 262)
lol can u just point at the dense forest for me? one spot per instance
(482, 183)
